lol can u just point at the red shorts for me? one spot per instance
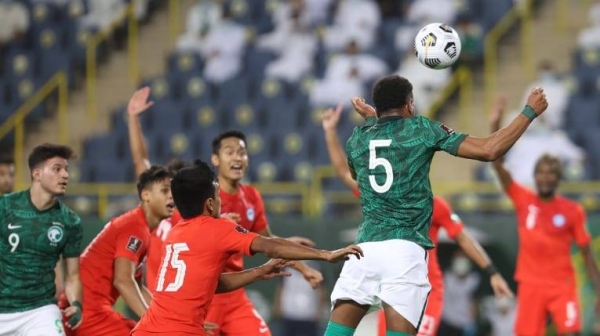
(431, 317)
(102, 322)
(535, 302)
(237, 318)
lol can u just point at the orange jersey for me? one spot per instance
(248, 203)
(155, 250)
(194, 256)
(443, 217)
(546, 232)
(126, 236)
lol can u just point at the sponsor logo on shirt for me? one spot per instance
(55, 234)
(447, 129)
(559, 220)
(134, 244)
(240, 229)
(250, 214)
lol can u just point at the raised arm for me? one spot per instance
(337, 156)
(231, 281)
(281, 248)
(475, 252)
(496, 145)
(137, 105)
(124, 281)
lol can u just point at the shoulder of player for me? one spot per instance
(250, 191)
(571, 205)
(70, 217)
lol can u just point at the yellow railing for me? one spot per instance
(92, 62)
(174, 19)
(461, 81)
(16, 121)
(522, 13)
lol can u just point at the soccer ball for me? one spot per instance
(437, 46)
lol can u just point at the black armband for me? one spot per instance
(491, 270)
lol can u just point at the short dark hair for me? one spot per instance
(47, 151)
(6, 160)
(150, 176)
(191, 187)
(391, 92)
(553, 162)
(176, 164)
(216, 143)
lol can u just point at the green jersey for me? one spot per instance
(391, 158)
(31, 242)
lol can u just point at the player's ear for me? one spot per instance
(35, 174)
(209, 205)
(214, 159)
(145, 195)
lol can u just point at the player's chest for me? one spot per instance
(543, 220)
(43, 235)
(244, 208)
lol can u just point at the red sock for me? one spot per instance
(381, 323)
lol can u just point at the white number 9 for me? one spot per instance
(375, 161)
(13, 240)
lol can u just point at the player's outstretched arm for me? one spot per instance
(281, 248)
(496, 145)
(273, 268)
(137, 105)
(124, 282)
(475, 252)
(74, 293)
(337, 156)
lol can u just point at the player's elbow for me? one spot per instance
(123, 283)
(491, 152)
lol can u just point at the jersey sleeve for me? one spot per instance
(260, 222)
(446, 218)
(445, 138)
(518, 194)
(233, 238)
(580, 230)
(129, 242)
(74, 230)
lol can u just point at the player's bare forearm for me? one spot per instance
(73, 287)
(146, 294)
(338, 158)
(132, 295)
(139, 152)
(231, 281)
(591, 267)
(473, 249)
(59, 277)
(284, 249)
(496, 145)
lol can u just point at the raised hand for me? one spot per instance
(331, 117)
(313, 277)
(500, 286)
(364, 109)
(301, 241)
(537, 100)
(274, 268)
(345, 253)
(74, 315)
(139, 102)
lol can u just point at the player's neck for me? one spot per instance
(396, 113)
(229, 186)
(41, 199)
(546, 198)
(152, 220)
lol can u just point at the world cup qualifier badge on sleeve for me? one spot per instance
(134, 244)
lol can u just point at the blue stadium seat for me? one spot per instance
(166, 116)
(231, 93)
(52, 57)
(19, 63)
(184, 64)
(112, 171)
(194, 91)
(160, 88)
(107, 147)
(256, 62)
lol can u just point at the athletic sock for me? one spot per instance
(396, 333)
(334, 329)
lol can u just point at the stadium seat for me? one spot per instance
(194, 91)
(105, 147)
(19, 63)
(112, 171)
(165, 116)
(160, 88)
(184, 64)
(231, 93)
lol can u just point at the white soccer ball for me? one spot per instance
(437, 46)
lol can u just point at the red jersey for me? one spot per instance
(546, 232)
(154, 251)
(126, 236)
(443, 217)
(194, 256)
(248, 203)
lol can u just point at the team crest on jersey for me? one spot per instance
(455, 218)
(55, 234)
(559, 220)
(250, 214)
(134, 244)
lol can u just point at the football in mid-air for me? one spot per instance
(437, 46)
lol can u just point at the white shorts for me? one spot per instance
(392, 271)
(43, 321)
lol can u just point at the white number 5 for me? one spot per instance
(172, 257)
(374, 162)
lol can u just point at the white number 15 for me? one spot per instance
(375, 161)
